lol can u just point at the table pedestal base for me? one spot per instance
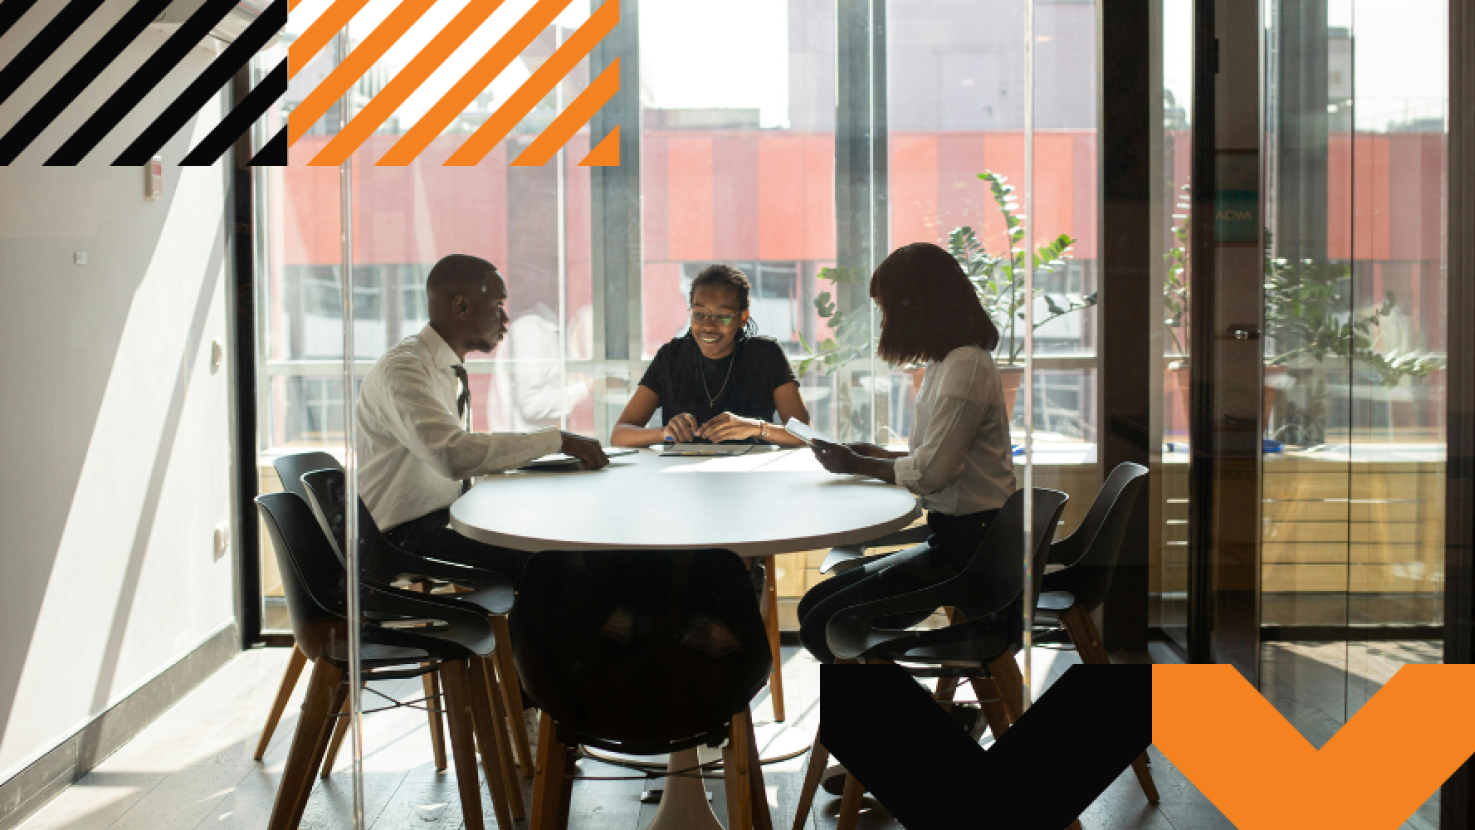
(684, 803)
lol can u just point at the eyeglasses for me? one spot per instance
(701, 317)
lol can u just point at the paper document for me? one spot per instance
(806, 433)
(559, 459)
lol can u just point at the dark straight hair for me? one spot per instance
(928, 306)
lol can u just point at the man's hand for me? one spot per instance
(729, 427)
(682, 428)
(587, 450)
(870, 450)
(837, 458)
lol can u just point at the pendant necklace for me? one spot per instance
(712, 399)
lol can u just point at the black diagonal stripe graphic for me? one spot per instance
(40, 48)
(256, 102)
(133, 90)
(274, 152)
(11, 11)
(205, 87)
(78, 77)
(1046, 770)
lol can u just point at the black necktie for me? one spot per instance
(463, 402)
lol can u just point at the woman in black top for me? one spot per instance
(719, 381)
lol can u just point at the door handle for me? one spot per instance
(1243, 331)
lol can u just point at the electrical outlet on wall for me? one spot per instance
(222, 540)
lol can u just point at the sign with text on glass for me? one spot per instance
(1237, 198)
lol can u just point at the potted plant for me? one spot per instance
(1175, 307)
(998, 280)
(1309, 319)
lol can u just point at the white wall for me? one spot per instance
(115, 436)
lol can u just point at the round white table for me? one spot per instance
(755, 505)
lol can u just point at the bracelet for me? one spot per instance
(763, 432)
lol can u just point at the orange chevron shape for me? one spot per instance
(476, 79)
(1258, 770)
(574, 116)
(533, 90)
(354, 66)
(409, 79)
(322, 30)
(607, 154)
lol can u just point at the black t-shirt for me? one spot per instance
(744, 388)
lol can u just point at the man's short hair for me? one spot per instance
(456, 274)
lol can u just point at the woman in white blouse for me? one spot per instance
(960, 460)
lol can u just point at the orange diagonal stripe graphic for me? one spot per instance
(358, 62)
(409, 79)
(1256, 768)
(574, 116)
(553, 70)
(312, 41)
(476, 79)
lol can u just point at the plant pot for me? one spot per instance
(1177, 379)
(1011, 377)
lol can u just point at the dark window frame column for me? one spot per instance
(1457, 801)
(1124, 357)
(616, 209)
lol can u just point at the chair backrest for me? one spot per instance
(1090, 554)
(641, 651)
(379, 560)
(312, 578)
(291, 467)
(993, 580)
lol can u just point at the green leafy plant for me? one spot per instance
(998, 280)
(1175, 280)
(1309, 316)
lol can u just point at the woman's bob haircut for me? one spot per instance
(928, 306)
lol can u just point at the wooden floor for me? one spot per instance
(192, 770)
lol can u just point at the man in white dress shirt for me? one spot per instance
(416, 450)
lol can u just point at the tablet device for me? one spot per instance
(708, 449)
(559, 459)
(804, 432)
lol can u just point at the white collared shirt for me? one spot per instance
(961, 457)
(413, 450)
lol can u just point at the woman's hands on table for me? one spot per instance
(729, 427)
(681, 429)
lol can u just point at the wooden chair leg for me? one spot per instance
(735, 775)
(340, 730)
(435, 705)
(1010, 683)
(553, 786)
(757, 791)
(455, 680)
(284, 693)
(776, 679)
(325, 692)
(496, 751)
(850, 803)
(818, 758)
(990, 701)
(512, 695)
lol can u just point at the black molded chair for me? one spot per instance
(642, 652)
(1089, 558)
(987, 600)
(451, 643)
(843, 558)
(290, 469)
(384, 564)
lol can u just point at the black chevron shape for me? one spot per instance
(41, 47)
(1046, 770)
(274, 152)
